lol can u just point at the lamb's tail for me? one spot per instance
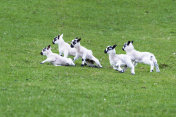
(155, 63)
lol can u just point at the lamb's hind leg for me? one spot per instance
(157, 67)
(151, 67)
(149, 62)
(125, 68)
(96, 61)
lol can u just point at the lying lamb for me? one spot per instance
(55, 59)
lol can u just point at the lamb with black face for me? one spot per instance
(109, 48)
(74, 42)
(55, 39)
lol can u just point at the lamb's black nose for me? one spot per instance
(71, 46)
(105, 51)
(41, 53)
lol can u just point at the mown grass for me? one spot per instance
(28, 88)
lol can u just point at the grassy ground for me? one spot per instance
(28, 88)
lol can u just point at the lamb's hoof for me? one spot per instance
(121, 71)
(158, 71)
(151, 71)
(132, 73)
(41, 63)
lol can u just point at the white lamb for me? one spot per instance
(84, 53)
(63, 47)
(141, 57)
(55, 59)
(118, 60)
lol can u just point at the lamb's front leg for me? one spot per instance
(83, 60)
(134, 63)
(47, 60)
(65, 53)
(60, 53)
(115, 68)
(119, 68)
(76, 57)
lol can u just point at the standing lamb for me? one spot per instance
(84, 53)
(141, 57)
(118, 60)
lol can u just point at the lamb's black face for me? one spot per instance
(44, 49)
(126, 44)
(109, 48)
(55, 39)
(74, 42)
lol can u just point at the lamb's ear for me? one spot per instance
(131, 41)
(61, 35)
(114, 46)
(48, 47)
(79, 40)
(58, 35)
(76, 38)
(128, 43)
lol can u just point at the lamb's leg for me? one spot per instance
(149, 62)
(96, 61)
(83, 60)
(134, 63)
(125, 68)
(75, 58)
(155, 64)
(119, 68)
(57, 65)
(65, 53)
(115, 68)
(151, 67)
(157, 67)
(131, 66)
(60, 53)
(47, 60)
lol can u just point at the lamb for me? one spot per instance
(141, 57)
(55, 59)
(118, 60)
(63, 47)
(85, 54)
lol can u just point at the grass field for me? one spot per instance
(29, 89)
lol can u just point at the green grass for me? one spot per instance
(28, 88)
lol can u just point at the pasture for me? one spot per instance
(28, 88)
